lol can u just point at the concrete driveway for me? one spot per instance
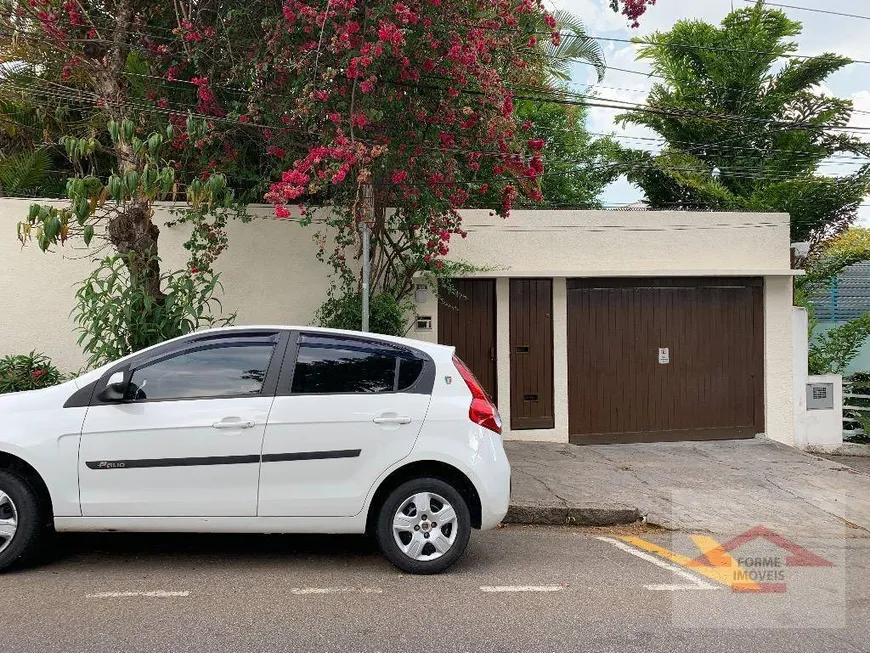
(717, 487)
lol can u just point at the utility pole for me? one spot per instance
(368, 212)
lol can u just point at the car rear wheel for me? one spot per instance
(424, 526)
(21, 520)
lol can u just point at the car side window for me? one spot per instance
(219, 368)
(329, 364)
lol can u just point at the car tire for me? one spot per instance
(408, 529)
(23, 514)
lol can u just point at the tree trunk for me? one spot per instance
(135, 236)
(131, 231)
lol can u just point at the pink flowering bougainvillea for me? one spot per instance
(358, 105)
(632, 9)
(412, 103)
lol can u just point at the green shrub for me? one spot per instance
(27, 372)
(833, 350)
(345, 312)
(860, 382)
(117, 314)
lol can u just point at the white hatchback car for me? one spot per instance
(261, 430)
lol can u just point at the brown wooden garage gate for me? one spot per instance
(665, 359)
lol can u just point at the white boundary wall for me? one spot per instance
(271, 277)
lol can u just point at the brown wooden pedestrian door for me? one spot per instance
(466, 320)
(664, 359)
(531, 342)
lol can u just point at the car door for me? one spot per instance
(347, 408)
(186, 440)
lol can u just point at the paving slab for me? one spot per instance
(722, 487)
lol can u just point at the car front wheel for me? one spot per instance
(424, 526)
(21, 519)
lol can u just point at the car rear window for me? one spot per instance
(329, 364)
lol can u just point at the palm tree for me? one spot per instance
(574, 46)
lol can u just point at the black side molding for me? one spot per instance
(310, 455)
(172, 462)
(143, 463)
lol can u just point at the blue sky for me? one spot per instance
(821, 33)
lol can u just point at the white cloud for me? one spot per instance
(861, 105)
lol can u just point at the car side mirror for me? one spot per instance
(116, 389)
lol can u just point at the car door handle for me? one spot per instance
(233, 424)
(397, 419)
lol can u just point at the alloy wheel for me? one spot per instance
(425, 526)
(8, 521)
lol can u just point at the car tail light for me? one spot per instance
(482, 410)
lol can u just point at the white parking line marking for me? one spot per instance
(678, 588)
(696, 583)
(159, 594)
(521, 588)
(335, 590)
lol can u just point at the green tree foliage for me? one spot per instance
(582, 166)
(26, 173)
(832, 351)
(742, 131)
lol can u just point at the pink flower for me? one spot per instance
(359, 120)
(399, 176)
(551, 22)
(281, 212)
(321, 96)
(536, 144)
(507, 107)
(390, 33)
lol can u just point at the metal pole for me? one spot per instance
(366, 274)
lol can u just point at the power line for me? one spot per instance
(812, 9)
(43, 39)
(69, 94)
(733, 171)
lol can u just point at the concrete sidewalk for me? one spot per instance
(717, 487)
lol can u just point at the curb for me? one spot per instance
(846, 449)
(572, 515)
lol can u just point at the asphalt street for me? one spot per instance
(517, 589)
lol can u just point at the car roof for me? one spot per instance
(410, 342)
